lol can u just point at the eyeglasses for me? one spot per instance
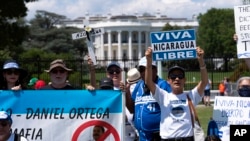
(3, 124)
(174, 76)
(12, 71)
(58, 70)
(114, 71)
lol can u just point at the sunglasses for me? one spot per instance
(174, 76)
(58, 70)
(3, 124)
(12, 71)
(114, 71)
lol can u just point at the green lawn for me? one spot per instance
(204, 114)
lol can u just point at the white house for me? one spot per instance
(126, 36)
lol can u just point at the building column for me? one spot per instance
(139, 45)
(102, 46)
(147, 40)
(119, 45)
(109, 45)
(129, 44)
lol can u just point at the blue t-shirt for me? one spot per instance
(147, 114)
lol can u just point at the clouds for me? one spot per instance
(171, 8)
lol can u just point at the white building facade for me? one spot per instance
(126, 36)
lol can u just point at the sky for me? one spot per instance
(171, 8)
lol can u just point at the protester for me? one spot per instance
(58, 73)
(243, 86)
(227, 91)
(133, 76)
(13, 76)
(207, 93)
(5, 127)
(221, 88)
(176, 119)
(146, 110)
(36, 83)
(114, 73)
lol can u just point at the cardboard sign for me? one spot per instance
(173, 45)
(242, 28)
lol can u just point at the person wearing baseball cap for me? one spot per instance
(5, 127)
(36, 83)
(59, 73)
(141, 98)
(175, 105)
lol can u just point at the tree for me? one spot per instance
(13, 28)
(214, 34)
(46, 36)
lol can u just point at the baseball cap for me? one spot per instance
(32, 81)
(5, 116)
(39, 84)
(106, 84)
(176, 68)
(113, 63)
(143, 62)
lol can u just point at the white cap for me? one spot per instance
(143, 62)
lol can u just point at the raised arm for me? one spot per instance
(92, 78)
(203, 71)
(148, 71)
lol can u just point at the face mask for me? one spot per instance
(244, 91)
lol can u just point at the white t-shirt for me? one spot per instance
(175, 114)
(12, 136)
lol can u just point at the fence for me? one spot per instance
(218, 68)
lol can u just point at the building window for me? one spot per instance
(143, 37)
(124, 54)
(134, 54)
(114, 38)
(105, 54)
(105, 38)
(114, 55)
(124, 37)
(134, 37)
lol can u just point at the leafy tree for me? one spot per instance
(214, 34)
(13, 28)
(46, 36)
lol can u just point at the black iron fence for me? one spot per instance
(218, 68)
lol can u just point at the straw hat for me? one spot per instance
(133, 76)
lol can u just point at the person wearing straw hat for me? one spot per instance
(13, 76)
(133, 76)
(58, 73)
(143, 105)
(5, 128)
